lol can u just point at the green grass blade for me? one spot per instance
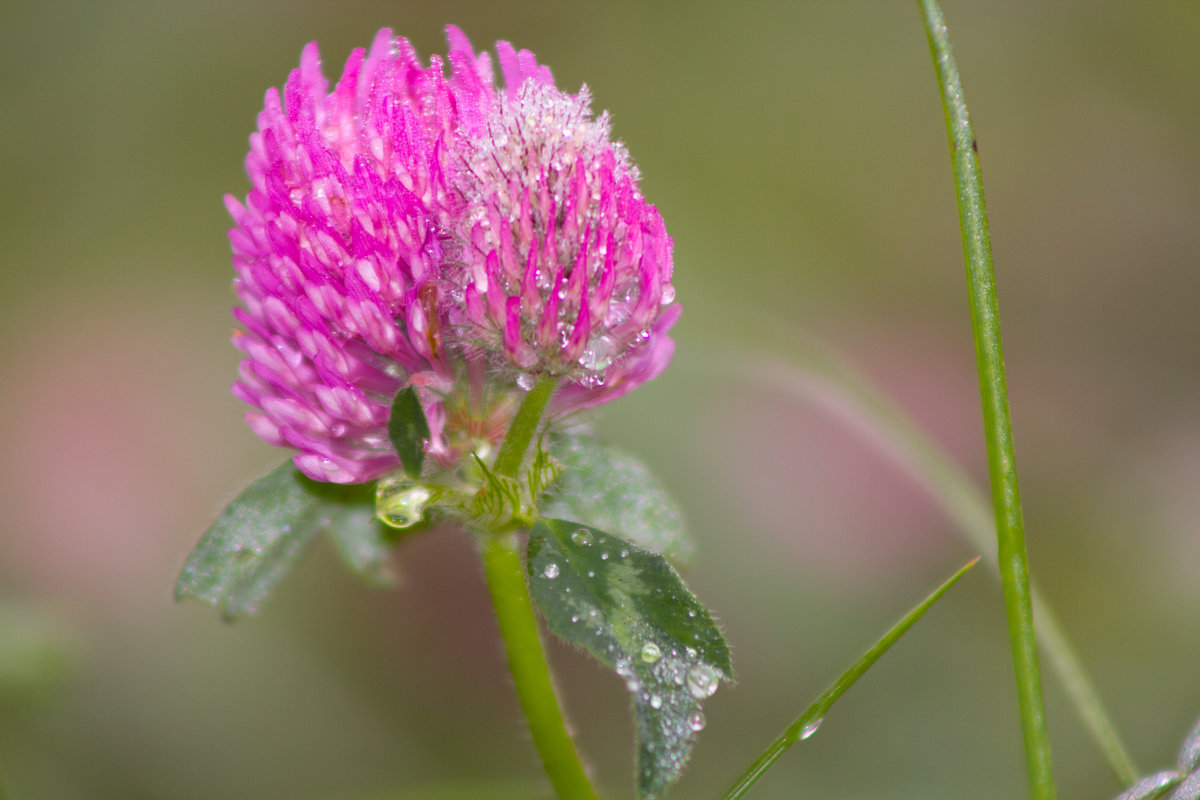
(799, 367)
(806, 724)
(993, 389)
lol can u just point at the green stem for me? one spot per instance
(527, 662)
(518, 626)
(523, 427)
(1002, 466)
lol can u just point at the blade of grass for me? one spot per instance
(841, 391)
(806, 724)
(993, 389)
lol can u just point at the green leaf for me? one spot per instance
(408, 430)
(347, 513)
(1152, 786)
(613, 491)
(628, 608)
(808, 722)
(1189, 753)
(260, 535)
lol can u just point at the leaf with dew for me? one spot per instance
(628, 607)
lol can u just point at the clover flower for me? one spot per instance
(413, 228)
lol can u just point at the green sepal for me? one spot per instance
(259, 537)
(611, 490)
(409, 430)
(627, 607)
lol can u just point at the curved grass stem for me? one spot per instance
(839, 390)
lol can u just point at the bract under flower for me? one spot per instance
(413, 228)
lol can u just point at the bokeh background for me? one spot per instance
(797, 152)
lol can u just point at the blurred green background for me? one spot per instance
(798, 154)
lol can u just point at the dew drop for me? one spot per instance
(400, 503)
(551, 570)
(604, 556)
(655, 701)
(702, 681)
(651, 652)
(600, 352)
(525, 381)
(581, 537)
(696, 721)
(525, 357)
(668, 294)
(810, 728)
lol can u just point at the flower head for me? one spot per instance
(413, 228)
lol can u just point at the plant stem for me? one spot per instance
(527, 662)
(518, 626)
(523, 427)
(1002, 467)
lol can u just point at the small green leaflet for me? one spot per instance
(628, 608)
(261, 534)
(408, 430)
(1153, 786)
(615, 492)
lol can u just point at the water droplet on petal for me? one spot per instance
(696, 721)
(525, 381)
(668, 294)
(525, 357)
(551, 570)
(810, 728)
(703, 681)
(651, 652)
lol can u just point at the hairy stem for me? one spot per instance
(527, 662)
(523, 427)
(518, 626)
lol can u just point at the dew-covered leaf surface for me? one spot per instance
(627, 607)
(615, 492)
(260, 535)
(1151, 787)
(1189, 752)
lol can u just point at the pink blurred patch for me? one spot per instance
(812, 474)
(109, 467)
